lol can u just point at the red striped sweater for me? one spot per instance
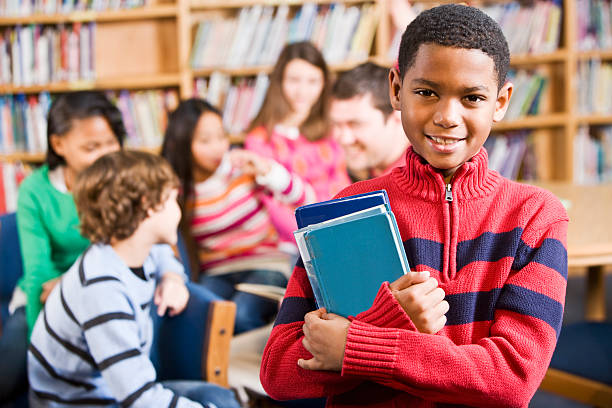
(497, 250)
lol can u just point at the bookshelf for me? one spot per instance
(150, 47)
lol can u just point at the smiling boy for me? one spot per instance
(477, 320)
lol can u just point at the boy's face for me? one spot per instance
(449, 101)
(166, 218)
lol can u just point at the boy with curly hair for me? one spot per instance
(477, 321)
(90, 345)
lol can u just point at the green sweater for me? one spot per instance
(48, 226)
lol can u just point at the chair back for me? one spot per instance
(11, 267)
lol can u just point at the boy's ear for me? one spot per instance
(395, 86)
(503, 101)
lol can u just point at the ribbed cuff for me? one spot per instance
(386, 311)
(370, 351)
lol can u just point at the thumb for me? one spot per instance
(409, 279)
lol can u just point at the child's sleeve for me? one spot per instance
(35, 252)
(287, 187)
(503, 369)
(112, 335)
(166, 261)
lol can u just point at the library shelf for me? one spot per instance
(141, 13)
(595, 119)
(540, 121)
(127, 82)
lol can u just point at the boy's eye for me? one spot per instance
(424, 92)
(474, 98)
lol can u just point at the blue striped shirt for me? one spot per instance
(90, 345)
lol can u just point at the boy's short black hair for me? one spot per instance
(458, 26)
(364, 79)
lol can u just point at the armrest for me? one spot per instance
(195, 344)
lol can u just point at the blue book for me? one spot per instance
(326, 210)
(348, 257)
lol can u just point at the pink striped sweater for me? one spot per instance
(230, 223)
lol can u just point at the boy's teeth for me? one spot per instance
(440, 140)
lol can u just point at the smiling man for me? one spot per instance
(365, 124)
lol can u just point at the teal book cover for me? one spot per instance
(348, 258)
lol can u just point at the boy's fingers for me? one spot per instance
(409, 279)
(161, 308)
(311, 364)
(424, 288)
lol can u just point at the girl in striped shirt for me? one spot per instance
(226, 224)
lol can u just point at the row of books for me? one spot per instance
(593, 155)
(23, 119)
(11, 175)
(145, 114)
(529, 90)
(512, 155)
(38, 55)
(239, 100)
(594, 24)
(23, 123)
(531, 28)
(595, 79)
(258, 34)
(14, 8)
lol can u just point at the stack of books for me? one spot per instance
(349, 247)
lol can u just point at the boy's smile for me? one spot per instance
(449, 101)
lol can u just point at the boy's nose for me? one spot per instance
(446, 117)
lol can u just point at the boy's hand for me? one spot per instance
(249, 162)
(171, 294)
(47, 287)
(325, 338)
(422, 300)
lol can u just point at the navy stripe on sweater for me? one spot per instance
(551, 253)
(136, 394)
(527, 302)
(420, 251)
(293, 310)
(78, 401)
(107, 317)
(471, 307)
(104, 364)
(489, 247)
(51, 371)
(83, 354)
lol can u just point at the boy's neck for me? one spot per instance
(134, 249)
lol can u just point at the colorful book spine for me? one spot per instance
(39, 55)
(257, 34)
(11, 175)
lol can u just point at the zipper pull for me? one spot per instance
(449, 193)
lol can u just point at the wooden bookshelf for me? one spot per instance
(141, 13)
(149, 48)
(23, 157)
(221, 4)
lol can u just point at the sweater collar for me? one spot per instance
(472, 180)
